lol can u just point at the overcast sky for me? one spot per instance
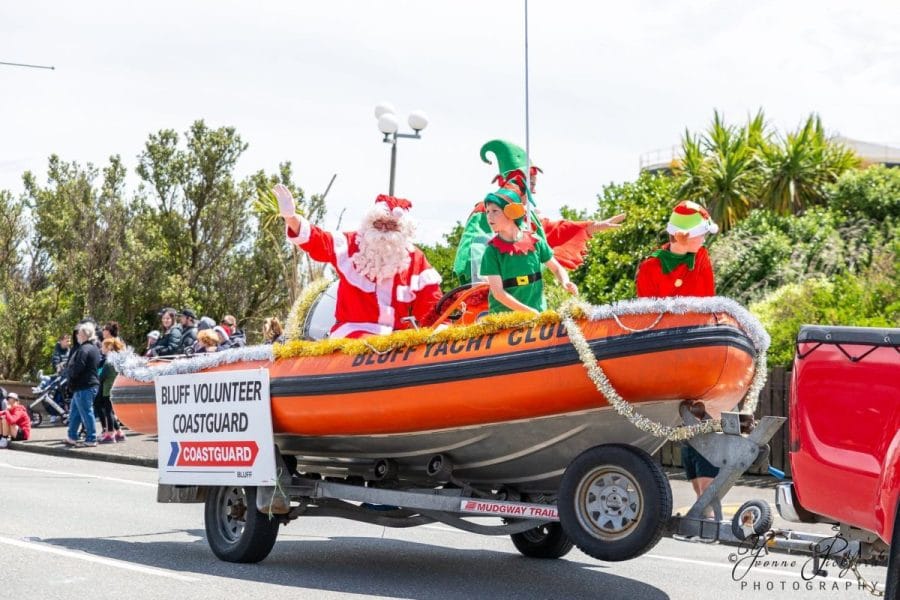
(299, 80)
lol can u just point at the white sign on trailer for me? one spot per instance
(215, 428)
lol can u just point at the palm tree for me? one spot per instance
(731, 173)
(691, 168)
(798, 167)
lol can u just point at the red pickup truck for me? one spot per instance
(845, 437)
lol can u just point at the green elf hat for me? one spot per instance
(509, 198)
(509, 158)
(690, 218)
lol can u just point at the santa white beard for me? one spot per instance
(382, 254)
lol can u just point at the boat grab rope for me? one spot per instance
(595, 372)
(642, 329)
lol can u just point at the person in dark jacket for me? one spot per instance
(188, 330)
(60, 352)
(169, 343)
(82, 372)
(236, 337)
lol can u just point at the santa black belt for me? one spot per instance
(521, 280)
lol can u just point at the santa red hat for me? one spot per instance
(397, 207)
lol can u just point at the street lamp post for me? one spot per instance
(388, 124)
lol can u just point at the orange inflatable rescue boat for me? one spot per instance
(508, 401)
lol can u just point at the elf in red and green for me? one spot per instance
(681, 267)
(567, 239)
(515, 257)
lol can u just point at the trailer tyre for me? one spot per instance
(546, 541)
(753, 517)
(36, 417)
(614, 502)
(235, 530)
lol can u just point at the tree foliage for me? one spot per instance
(733, 169)
(441, 255)
(611, 263)
(79, 244)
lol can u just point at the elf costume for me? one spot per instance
(518, 263)
(568, 239)
(666, 273)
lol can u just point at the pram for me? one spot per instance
(51, 393)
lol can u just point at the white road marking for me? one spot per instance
(111, 562)
(68, 474)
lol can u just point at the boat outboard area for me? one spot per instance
(531, 418)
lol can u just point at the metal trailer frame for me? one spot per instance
(734, 453)
(731, 450)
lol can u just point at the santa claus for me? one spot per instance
(384, 278)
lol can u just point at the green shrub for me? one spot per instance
(872, 194)
(870, 299)
(613, 256)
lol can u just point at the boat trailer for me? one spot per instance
(242, 523)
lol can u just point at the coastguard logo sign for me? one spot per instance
(215, 428)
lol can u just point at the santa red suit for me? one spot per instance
(374, 295)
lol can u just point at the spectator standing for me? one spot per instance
(111, 431)
(207, 341)
(273, 332)
(205, 324)
(60, 352)
(110, 330)
(188, 330)
(58, 363)
(229, 323)
(82, 372)
(236, 337)
(169, 342)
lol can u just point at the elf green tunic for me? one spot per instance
(519, 265)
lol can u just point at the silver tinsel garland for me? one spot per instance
(139, 368)
(136, 367)
(750, 325)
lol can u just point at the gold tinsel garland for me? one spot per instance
(414, 337)
(293, 328)
(571, 310)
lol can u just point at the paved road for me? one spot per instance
(74, 528)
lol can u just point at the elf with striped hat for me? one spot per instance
(568, 239)
(681, 267)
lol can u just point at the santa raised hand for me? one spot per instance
(384, 278)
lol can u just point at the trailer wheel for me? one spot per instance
(546, 541)
(754, 517)
(36, 417)
(614, 502)
(235, 530)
